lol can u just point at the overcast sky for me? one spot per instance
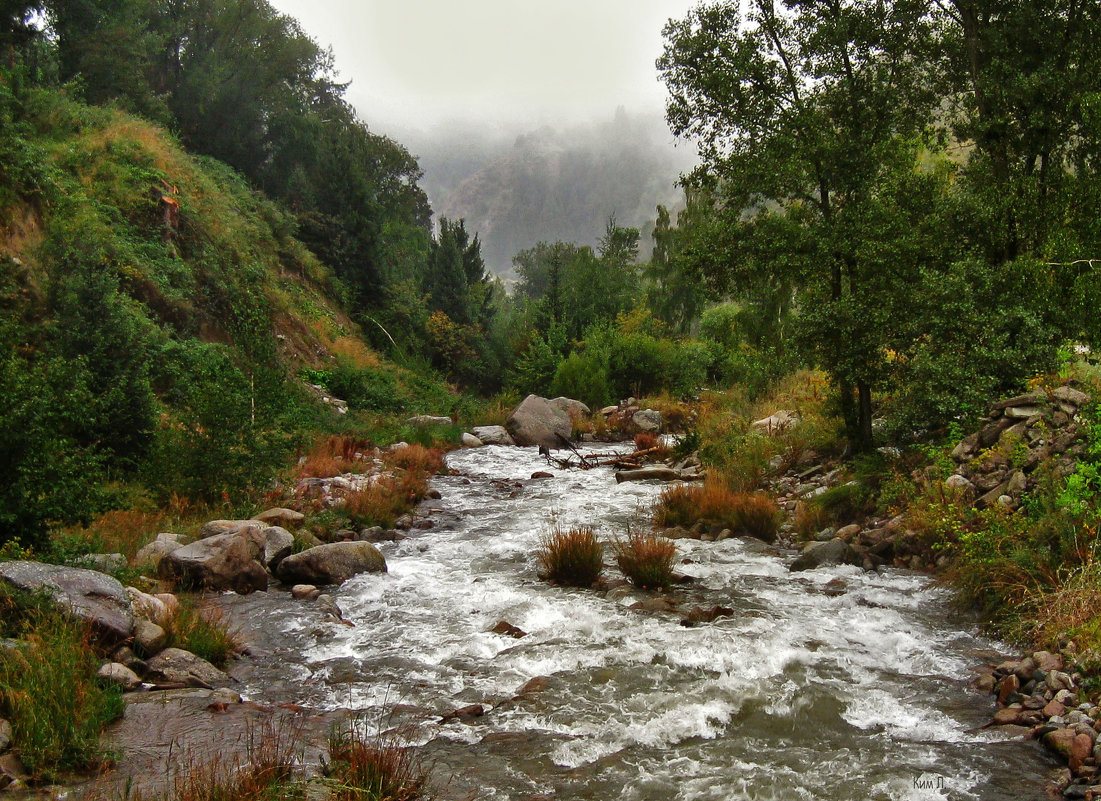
(419, 63)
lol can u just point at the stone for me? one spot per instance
(152, 552)
(1071, 395)
(647, 420)
(777, 422)
(1057, 680)
(5, 735)
(471, 441)
(536, 422)
(848, 532)
(177, 666)
(492, 435)
(1018, 483)
(149, 637)
(608, 411)
(87, 594)
(834, 552)
(278, 545)
(150, 607)
(508, 630)
(574, 408)
(425, 420)
(279, 516)
(541, 474)
(118, 674)
(213, 528)
(471, 711)
(698, 614)
(1006, 717)
(305, 592)
(656, 603)
(958, 482)
(835, 587)
(1047, 661)
(109, 563)
(11, 770)
(226, 561)
(1054, 709)
(1022, 412)
(334, 563)
(1007, 688)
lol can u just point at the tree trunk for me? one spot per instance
(864, 414)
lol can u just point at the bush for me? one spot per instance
(583, 376)
(715, 503)
(48, 687)
(204, 632)
(645, 559)
(573, 557)
(366, 767)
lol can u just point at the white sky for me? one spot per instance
(419, 63)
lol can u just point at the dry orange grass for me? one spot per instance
(382, 503)
(354, 351)
(646, 559)
(416, 459)
(574, 557)
(334, 456)
(714, 502)
(810, 518)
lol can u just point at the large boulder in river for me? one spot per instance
(492, 435)
(334, 563)
(232, 560)
(176, 666)
(87, 594)
(834, 552)
(536, 422)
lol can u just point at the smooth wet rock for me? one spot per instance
(464, 713)
(508, 630)
(280, 516)
(89, 595)
(819, 554)
(149, 607)
(492, 435)
(120, 675)
(334, 563)
(305, 592)
(656, 473)
(471, 441)
(177, 666)
(536, 422)
(698, 614)
(541, 474)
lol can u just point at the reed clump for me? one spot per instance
(646, 559)
(574, 557)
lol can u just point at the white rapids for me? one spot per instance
(799, 695)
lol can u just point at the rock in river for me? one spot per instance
(334, 563)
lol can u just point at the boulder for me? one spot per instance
(176, 666)
(334, 563)
(116, 673)
(777, 422)
(278, 544)
(574, 408)
(87, 594)
(287, 518)
(229, 561)
(834, 552)
(103, 562)
(471, 441)
(215, 527)
(149, 637)
(152, 552)
(492, 435)
(425, 420)
(5, 735)
(647, 420)
(536, 422)
(305, 592)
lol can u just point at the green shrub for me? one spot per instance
(204, 632)
(574, 557)
(645, 559)
(584, 377)
(48, 688)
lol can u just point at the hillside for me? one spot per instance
(158, 315)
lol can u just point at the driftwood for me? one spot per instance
(617, 460)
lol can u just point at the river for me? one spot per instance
(801, 694)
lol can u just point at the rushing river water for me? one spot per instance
(798, 695)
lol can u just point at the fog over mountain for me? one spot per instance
(550, 183)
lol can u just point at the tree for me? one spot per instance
(800, 111)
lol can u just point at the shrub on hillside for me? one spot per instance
(646, 559)
(574, 557)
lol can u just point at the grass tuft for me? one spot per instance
(715, 503)
(645, 559)
(373, 767)
(574, 558)
(204, 632)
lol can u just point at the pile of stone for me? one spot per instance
(628, 418)
(1038, 700)
(243, 555)
(996, 464)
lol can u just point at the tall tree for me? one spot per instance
(800, 110)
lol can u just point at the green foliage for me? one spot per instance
(48, 689)
(204, 632)
(584, 377)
